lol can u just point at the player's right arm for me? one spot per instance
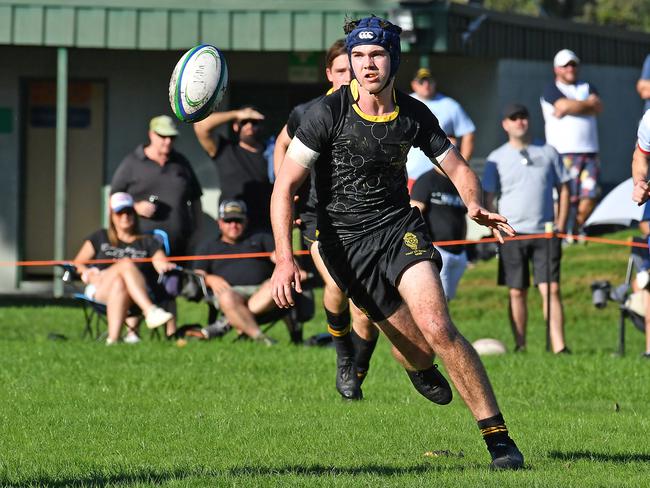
(641, 191)
(281, 145)
(295, 168)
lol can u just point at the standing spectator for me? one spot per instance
(451, 117)
(241, 287)
(165, 189)
(524, 175)
(242, 166)
(444, 212)
(643, 85)
(570, 107)
(640, 195)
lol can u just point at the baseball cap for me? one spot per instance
(422, 74)
(120, 200)
(232, 209)
(163, 125)
(564, 57)
(514, 109)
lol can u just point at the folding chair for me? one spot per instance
(294, 318)
(95, 324)
(637, 261)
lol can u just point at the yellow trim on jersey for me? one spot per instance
(354, 89)
(330, 91)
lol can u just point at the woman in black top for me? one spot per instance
(123, 283)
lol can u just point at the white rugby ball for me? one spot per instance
(489, 347)
(198, 83)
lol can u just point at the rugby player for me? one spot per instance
(374, 244)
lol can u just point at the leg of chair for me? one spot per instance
(621, 334)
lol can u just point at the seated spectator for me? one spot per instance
(241, 287)
(124, 283)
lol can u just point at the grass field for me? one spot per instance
(78, 413)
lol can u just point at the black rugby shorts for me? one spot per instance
(368, 269)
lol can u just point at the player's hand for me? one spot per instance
(496, 222)
(286, 277)
(641, 192)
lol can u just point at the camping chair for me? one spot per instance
(95, 324)
(630, 303)
(194, 288)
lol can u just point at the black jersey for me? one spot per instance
(306, 193)
(360, 175)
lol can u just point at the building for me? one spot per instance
(117, 57)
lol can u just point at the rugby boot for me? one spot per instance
(431, 384)
(506, 455)
(347, 382)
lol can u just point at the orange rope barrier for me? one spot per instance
(599, 240)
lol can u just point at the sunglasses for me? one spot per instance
(233, 221)
(525, 158)
(125, 211)
(518, 117)
(253, 122)
(570, 64)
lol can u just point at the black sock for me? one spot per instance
(494, 431)
(363, 350)
(338, 325)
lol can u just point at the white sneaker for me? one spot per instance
(110, 342)
(131, 338)
(156, 317)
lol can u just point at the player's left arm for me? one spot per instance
(469, 189)
(641, 191)
(281, 145)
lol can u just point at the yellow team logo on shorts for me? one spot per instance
(411, 241)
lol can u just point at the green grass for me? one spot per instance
(77, 413)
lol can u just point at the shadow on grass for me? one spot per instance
(600, 457)
(156, 477)
(33, 301)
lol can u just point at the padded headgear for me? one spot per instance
(376, 31)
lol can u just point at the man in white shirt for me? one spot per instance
(570, 107)
(451, 117)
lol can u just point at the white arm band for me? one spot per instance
(442, 156)
(301, 154)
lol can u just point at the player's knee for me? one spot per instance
(442, 332)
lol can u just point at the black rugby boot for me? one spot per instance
(506, 455)
(347, 382)
(431, 384)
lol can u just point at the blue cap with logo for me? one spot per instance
(376, 31)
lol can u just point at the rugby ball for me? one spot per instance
(489, 347)
(198, 83)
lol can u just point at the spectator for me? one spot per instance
(643, 85)
(640, 195)
(570, 107)
(524, 175)
(451, 117)
(444, 212)
(124, 283)
(242, 166)
(241, 287)
(166, 191)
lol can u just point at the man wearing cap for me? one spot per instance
(241, 164)
(570, 107)
(451, 117)
(524, 175)
(166, 191)
(374, 244)
(241, 287)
